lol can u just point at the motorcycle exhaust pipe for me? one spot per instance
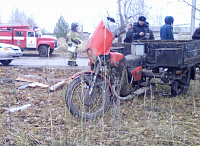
(130, 96)
(141, 90)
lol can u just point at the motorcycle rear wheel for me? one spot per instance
(82, 104)
(179, 87)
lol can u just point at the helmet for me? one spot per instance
(74, 25)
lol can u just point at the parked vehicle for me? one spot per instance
(8, 53)
(28, 39)
(114, 75)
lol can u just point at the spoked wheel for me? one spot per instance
(181, 86)
(82, 104)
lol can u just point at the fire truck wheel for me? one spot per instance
(43, 51)
(6, 62)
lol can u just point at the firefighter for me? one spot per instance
(73, 42)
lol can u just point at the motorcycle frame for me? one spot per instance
(88, 72)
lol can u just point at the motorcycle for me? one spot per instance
(89, 93)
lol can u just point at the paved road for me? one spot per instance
(53, 61)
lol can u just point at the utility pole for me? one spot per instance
(199, 15)
(193, 12)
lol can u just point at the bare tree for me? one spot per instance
(18, 17)
(31, 21)
(44, 31)
(129, 11)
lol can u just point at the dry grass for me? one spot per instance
(147, 120)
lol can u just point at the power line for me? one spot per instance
(191, 5)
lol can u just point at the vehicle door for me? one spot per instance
(19, 38)
(31, 41)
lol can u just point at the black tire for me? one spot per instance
(83, 105)
(6, 62)
(181, 86)
(43, 51)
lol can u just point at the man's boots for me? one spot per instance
(72, 63)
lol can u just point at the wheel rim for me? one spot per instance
(43, 51)
(181, 86)
(88, 104)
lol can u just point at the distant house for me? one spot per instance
(84, 35)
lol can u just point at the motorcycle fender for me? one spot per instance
(116, 58)
(70, 79)
(137, 73)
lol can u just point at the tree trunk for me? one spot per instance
(122, 28)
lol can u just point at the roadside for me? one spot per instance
(59, 59)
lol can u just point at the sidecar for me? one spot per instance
(173, 62)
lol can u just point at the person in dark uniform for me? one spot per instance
(140, 29)
(129, 34)
(151, 36)
(196, 34)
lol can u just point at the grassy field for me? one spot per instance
(151, 119)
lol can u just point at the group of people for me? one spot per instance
(140, 30)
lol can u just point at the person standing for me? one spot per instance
(129, 34)
(140, 29)
(166, 31)
(73, 42)
(196, 34)
(151, 36)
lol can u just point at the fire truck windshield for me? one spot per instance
(38, 33)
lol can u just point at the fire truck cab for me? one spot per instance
(28, 39)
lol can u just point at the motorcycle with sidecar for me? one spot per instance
(114, 75)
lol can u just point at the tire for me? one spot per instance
(6, 62)
(181, 86)
(83, 105)
(43, 51)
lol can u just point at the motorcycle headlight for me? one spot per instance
(91, 55)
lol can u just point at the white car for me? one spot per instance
(8, 53)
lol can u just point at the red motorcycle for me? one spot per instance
(89, 93)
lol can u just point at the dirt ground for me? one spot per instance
(152, 119)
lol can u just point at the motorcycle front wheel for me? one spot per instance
(82, 104)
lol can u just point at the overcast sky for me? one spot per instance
(88, 12)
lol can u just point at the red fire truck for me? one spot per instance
(28, 39)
